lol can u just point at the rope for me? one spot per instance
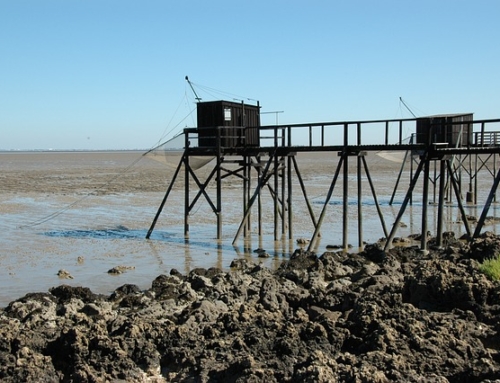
(165, 133)
(209, 90)
(95, 192)
(103, 187)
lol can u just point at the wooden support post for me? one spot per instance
(434, 183)
(475, 178)
(379, 211)
(202, 190)
(289, 176)
(482, 134)
(360, 190)
(487, 205)
(494, 171)
(400, 132)
(470, 194)
(289, 199)
(460, 168)
(219, 186)
(440, 217)
(458, 197)
(275, 197)
(186, 190)
(245, 192)
(262, 181)
(283, 188)
(283, 201)
(398, 178)
(345, 197)
(450, 188)
(411, 176)
(413, 182)
(425, 204)
(387, 132)
(314, 238)
(304, 192)
(170, 186)
(249, 174)
(259, 202)
(278, 198)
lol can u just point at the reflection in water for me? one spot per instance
(156, 253)
(189, 245)
(187, 257)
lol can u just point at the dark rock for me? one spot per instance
(378, 316)
(128, 289)
(176, 273)
(374, 253)
(64, 293)
(485, 247)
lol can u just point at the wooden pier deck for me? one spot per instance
(266, 156)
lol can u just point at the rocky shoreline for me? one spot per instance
(395, 316)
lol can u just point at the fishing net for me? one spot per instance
(396, 156)
(170, 153)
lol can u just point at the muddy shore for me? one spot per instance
(395, 316)
(88, 212)
(374, 316)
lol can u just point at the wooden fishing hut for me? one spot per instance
(444, 130)
(456, 131)
(231, 133)
(453, 129)
(228, 132)
(237, 124)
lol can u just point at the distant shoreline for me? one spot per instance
(70, 150)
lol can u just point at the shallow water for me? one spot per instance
(89, 212)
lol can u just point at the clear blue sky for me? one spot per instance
(109, 74)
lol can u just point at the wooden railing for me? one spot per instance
(487, 138)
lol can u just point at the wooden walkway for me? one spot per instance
(271, 161)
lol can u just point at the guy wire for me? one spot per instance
(66, 208)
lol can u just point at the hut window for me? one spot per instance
(227, 114)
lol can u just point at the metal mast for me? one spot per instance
(198, 99)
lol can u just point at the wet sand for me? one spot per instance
(87, 212)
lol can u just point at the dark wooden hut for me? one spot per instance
(453, 129)
(238, 124)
